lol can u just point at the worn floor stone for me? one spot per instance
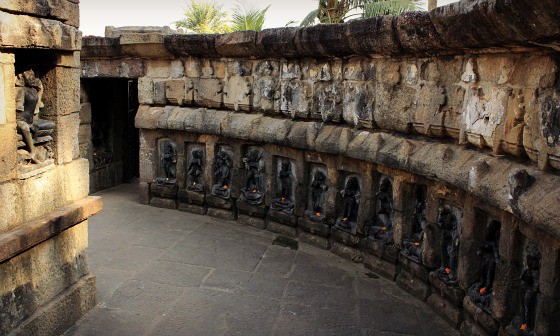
(165, 272)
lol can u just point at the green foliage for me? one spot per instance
(210, 18)
(339, 11)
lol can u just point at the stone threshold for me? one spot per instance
(26, 236)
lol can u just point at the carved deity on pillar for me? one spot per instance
(168, 158)
(253, 190)
(318, 189)
(195, 170)
(524, 323)
(414, 243)
(222, 175)
(383, 228)
(350, 202)
(35, 134)
(449, 226)
(284, 200)
(481, 292)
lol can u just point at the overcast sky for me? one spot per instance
(96, 14)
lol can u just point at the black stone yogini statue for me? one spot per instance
(413, 245)
(350, 202)
(195, 170)
(35, 133)
(524, 323)
(253, 191)
(449, 245)
(169, 162)
(481, 291)
(222, 175)
(383, 228)
(284, 200)
(318, 188)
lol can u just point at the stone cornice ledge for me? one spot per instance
(526, 192)
(453, 29)
(24, 237)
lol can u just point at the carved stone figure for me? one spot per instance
(253, 191)
(449, 226)
(524, 323)
(222, 175)
(318, 188)
(350, 202)
(383, 228)
(481, 291)
(169, 163)
(285, 180)
(195, 171)
(35, 134)
(414, 244)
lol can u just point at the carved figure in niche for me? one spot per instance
(383, 228)
(253, 190)
(413, 245)
(285, 179)
(481, 291)
(449, 245)
(195, 170)
(524, 323)
(169, 162)
(101, 156)
(35, 134)
(318, 188)
(350, 201)
(222, 175)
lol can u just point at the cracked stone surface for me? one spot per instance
(165, 272)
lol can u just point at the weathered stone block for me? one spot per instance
(393, 106)
(159, 92)
(119, 68)
(382, 267)
(372, 36)
(345, 237)
(321, 229)
(192, 208)
(209, 92)
(144, 192)
(193, 67)
(267, 95)
(482, 318)
(296, 98)
(241, 43)
(12, 214)
(175, 92)
(413, 285)
(145, 90)
(446, 310)
(282, 229)
(238, 93)
(62, 91)
(66, 138)
(221, 214)
(158, 69)
(277, 42)
(259, 211)
(347, 252)
(315, 240)
(165, 203)
(255, 222)
(177, 69)
(85, 113)
(328, 100)
(359, 100)
(452, 293)
(8, 152)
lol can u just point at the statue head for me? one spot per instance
(446, 217)
(352, 184)
(385, 185)
(29, 78)
(286, 165)
(493, 230)
(533, 257)
(197, 153)
(319, 176)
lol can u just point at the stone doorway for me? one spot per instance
(114, 141)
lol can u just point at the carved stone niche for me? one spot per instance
(167, 167)
(285, 186)
(348, 203)
(315, 219)
(413, 236)
(222, 171)
(35, 134)
(253, 188)
(192, 197)
(528, 296)
(382, 230)
(449, 224)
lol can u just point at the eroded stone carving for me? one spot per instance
(383, 228)
(34, 134)
(481, 292)
(253, 190)
(285, 182)
(523, 323)
(412, 246)
(449, 225)
(168, 163)
(318, 197)
(222, 174)
(195, 170)
(350, 203)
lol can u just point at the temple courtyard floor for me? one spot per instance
(166, 272)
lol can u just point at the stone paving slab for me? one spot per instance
(165, 272)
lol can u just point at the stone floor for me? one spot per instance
(164, 272)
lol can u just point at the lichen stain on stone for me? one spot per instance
(550, 120)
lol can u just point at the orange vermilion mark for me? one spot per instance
(254, 190)
(318, 214)
(345, 219)
(523, 327)
(416, 244)
(482, 290)
(283, 198)
(225, 187)
(447, 270)
(383, 228)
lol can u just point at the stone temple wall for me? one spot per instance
(423, 146)
(45, 284)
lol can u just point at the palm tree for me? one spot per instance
(204, 18)
(338, 11)
(247, 18)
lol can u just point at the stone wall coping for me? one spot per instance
(26, 236)
(453, 29)
(527, 192)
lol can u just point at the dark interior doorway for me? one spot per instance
(114, 139)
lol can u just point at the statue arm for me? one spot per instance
(20, 99)
(39, 96)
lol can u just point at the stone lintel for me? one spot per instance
(24, 237)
